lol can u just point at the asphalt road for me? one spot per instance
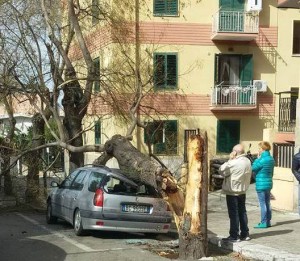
(26, 236)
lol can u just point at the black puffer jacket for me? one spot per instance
(296, 166)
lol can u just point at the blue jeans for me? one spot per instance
(236, 206)
(265, 206)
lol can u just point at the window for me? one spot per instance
(165, 7)
(296, 38)
(165, 71)
(68, 181)
(97, 80)
(94, 181)
(77, 184)
(163, 136)
(234, 71)
(187, 135)
(228, 135)
(287, 110)
(97, 132)
(121, 187)
(230, 19)
(95, 12)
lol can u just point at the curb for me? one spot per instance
(254, 251)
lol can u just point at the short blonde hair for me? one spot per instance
(265, 145)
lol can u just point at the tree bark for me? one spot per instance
(34, 160)
(193, 226)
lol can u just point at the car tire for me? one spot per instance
(49, 216)
(78, 229)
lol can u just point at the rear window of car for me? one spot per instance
(116, 186)
(95, 180)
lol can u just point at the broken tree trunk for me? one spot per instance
(193, 226)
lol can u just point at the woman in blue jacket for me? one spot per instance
(263, 167)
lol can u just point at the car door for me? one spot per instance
(73, 196)
(62, 192)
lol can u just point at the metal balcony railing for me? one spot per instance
(234, 95)
(287, 114)
(236, 21)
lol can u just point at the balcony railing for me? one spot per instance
(287, 114)
(234, 96)
(240, 22)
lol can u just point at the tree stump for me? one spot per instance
(193, 226)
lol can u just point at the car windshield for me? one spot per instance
(114, 185)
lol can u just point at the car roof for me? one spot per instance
(114, 172)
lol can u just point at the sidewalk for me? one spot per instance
(279, 242)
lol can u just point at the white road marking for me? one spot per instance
(71, 241)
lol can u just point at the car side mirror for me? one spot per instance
(54, 184)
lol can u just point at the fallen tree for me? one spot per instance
(189, 208)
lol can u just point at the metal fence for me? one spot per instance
(283, 154)
(287, 114)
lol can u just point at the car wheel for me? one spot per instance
(78, 224)
(49, 217)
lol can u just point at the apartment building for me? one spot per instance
(227, 67)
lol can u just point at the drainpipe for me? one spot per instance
(137, 68)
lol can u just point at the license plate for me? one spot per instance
(135, 208)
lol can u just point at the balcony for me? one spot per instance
(235, 25)
(233, 97)
(287, 113)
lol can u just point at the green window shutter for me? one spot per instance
(171, 132)
(228, 135)
(225, 5)
(172, 70)
(153, 132)
(217, 74)
(171, 7)
(97, 132)
(97, 69)
(246, 71)
(165, 71)
(95, 12)
(232, 5)
(167, 144)
(227, 21)
(159, 7)
(159, 70)
(165, 7)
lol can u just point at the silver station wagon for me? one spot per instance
(101, 198)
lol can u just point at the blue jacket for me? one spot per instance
(263, 167)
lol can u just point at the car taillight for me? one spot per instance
(99, 198)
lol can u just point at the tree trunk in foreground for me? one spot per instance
(193, 226)
(191, 213)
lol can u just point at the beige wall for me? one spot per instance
(288, 66)
(285, 190)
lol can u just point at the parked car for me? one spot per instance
(101, 198)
